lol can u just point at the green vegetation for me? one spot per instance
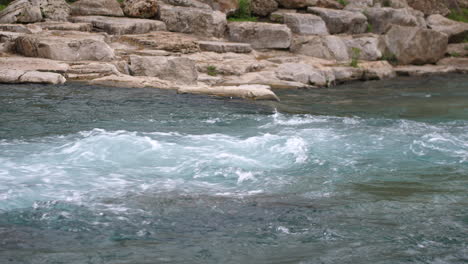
(211, 70)
(386, 3)
(369, 27)
(2, 7)
(466, 47)
(243, 12)
(343, 2)
(455, 54)
(459, 15)
(390, 57)
(355, 53)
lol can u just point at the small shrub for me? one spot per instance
(343, 2)
(455, 54)
(459, 15)
(369, 27)
(211, 70)
(355, 53)
(243, 13)
(2, 7)
(390, 57)
(245, 19)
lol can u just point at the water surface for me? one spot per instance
(373, 172)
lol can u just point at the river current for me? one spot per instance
(373, 172)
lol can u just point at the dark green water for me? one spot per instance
(372, 172)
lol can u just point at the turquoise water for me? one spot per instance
(373, 172)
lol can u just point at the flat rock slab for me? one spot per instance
(223, 47)
(461, 64)
(456, 31)
(169, 41)
(254, 92)
(174, 69)
(33, 64)
(65, 46)
(121, 25)
(126, 81)
(306, 24)
(21, 76)
(261, 35)
(18, 28)
(341, 21)
(425, 70)
(65, 26)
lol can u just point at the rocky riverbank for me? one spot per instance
(190, 45)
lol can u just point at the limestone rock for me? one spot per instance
(91, 70)
(456, 31)
(126, 81)
(121, 25)
(225, 6)
(377, 70)
(140, 8)
(26, 29)
(223, 47)
(175, 69)
(412, 45)
(254, 92)
(33, 64)
(327, 4)
(169, 41)
(460, 64)
(430, 7)
(278, 16)
(458, 50)
(265, 78)
(381, 19)
(261, 35)
(341, 21)
(65, 26)
(54, 10)
(305, 24)
(263, 7)
(303, 73)
(21, 11)
(368, 46)
(347, 74)
(325, 47)
(194, 20)
(424, 70)
(66, 46)
(295, 4)
(20, 76)
(188, 3)
(96, 8)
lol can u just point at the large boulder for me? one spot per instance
(175, 69)
(305, 24)
(303, 73)
(65, 46)
(140, 8)
(96, 8)
(324, 47)
(121, 25)
(263, 7)
(54, 10)
(430, 7)
(413, 45)
(367, 46)
(196, 21)
(381, 19)
(341, 21)
(261, 35)
(21, 11)
(456, 31)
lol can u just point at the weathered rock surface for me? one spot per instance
(425, 70)
(65, 26)
(223, 47)
(412, 45)
(377, 70)
(265, 78)
(96, 8)
(121, 25)
(278, 16)
(261, 35)
(255, 92)
(295, 4)
(188, 3)
(33, 64)
(460, 64)
(140, 8)
(303, 73)
(66, 46)
(430, 7)
(381, 19)
(458, 50)
(305, 24)
(175, 69)
(20, 76)
(21, 11)
(327, 4)
(263, 7)
(126, 81)
(325, 47)
(91, 70)
(169, 41)
(341, 21)
(26, 29)
(54, 10)
(194, 20)
(368, 46)
(347, 74)
(225, 6)
(456, 31)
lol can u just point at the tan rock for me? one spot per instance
(296, 4)
(278, 16)
(121, 25)
(347, 74)
(174, 69)
(261, 35)
(255, 92)
(456, 31)
(305, 24)
(325, 47)
(96, 8)
(21, 11)
(377, 70)
(381, 19)
(140, 8)
(91, 70)
(341, 21)
(424, 70)
(33, 64)
(21, 76)
(430, 7)
(303, 73)
(27, 29)
(263, 7)
(169, 41)
(367, 46)
(265, 78)
(65, 26)
(126, 81)
(460, 64)
(458, 50)
(223, 47)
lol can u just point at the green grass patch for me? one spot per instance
(454, 54)
(2, 7)
(243, 13)
(355, 53)
(369, 27)
(460, 15)
(343, 2)
(211, 70)
(244, 19)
